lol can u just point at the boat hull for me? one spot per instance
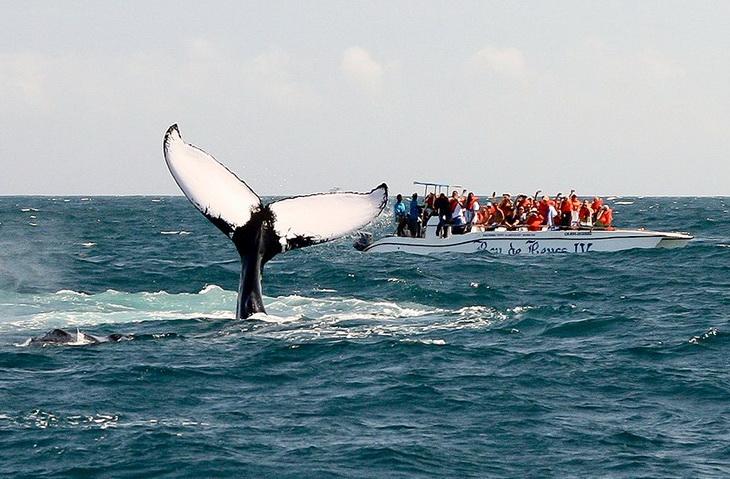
(532, 243)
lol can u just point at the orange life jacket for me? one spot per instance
(605, 218)
(534, 222)
(566, 206)
(584, 213)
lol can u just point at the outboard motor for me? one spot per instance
(364, 240)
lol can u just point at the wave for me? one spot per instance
(291, 318)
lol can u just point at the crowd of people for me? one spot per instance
(462, 213)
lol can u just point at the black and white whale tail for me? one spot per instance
(261, 231)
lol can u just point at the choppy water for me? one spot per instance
(611, 364)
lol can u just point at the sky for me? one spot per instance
(605, 97)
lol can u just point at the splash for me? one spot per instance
(290, 318)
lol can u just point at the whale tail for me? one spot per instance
(261, 231)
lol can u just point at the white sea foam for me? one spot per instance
(436, 342)
(624, 203)
(293, 318)
(210, 288)
(70, 292)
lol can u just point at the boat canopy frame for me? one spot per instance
(438, 188)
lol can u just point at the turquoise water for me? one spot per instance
(607, 364)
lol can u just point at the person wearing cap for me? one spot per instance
(534, 220)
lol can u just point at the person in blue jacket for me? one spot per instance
(414, 217)
(399, 215)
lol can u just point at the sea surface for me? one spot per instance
(599, 365)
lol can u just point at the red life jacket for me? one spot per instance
(534, 222)
(606, 218)
(452, 203)
(584, 213)
(566, 206)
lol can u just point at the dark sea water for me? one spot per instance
(601, 365)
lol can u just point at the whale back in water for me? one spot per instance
(60, 336)
(260, 231)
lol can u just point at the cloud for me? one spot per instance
(657, 66)
(505, 62)
(274, 73)
(22, 79)
(362, 69)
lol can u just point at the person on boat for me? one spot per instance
(496, 217)
(534, 220)
(521, 201)
(575, 204)
(471, 209)
(604, 218)
(480, 219)
(596, 205)
(428, 209)
(550, 215)
(428, 203)
(585, 214)
(457, 213)
(443, 210)
(529, 204)
(566, 212)
(399, 214)
(543, 206)
(512, 218)
(414, 217)
(506, 203)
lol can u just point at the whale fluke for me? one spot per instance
(260, 231)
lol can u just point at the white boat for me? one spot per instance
(524, 243)
(500, 241)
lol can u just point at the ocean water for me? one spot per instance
(601, 365)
